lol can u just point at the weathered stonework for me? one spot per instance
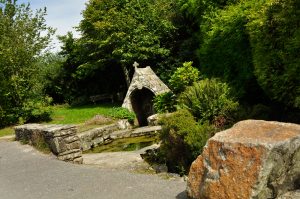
(144, 78)
(109, 133)
(61, 139)
(97, 136)
(253, 159)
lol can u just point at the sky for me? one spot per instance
(63, 15)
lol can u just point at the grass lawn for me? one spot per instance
(6, 131)
(65, 114)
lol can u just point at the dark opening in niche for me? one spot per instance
(142, 104)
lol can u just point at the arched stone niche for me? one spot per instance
(144, 86)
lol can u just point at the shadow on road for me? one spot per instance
(182, 195)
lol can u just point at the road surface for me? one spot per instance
(27, 174)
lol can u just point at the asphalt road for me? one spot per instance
(28, 174)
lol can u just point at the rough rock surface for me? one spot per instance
(153, 120)
(253, 159)
(97, 136)
(61, 139)
(290, 195)
(108, 133)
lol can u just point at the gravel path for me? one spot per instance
(28, 174)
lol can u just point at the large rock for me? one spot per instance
(253, 159)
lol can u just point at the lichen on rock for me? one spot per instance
(253, 159)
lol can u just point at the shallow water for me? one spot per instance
(125, 144)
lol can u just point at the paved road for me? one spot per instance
(28, 174)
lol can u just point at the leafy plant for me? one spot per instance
(165, 102)
(208, 99)
(122, 113)
(184, 76)
(182, 140)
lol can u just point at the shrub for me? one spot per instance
(183, 77)
(165, 102)
(122, 113)
(182, 140)
(208, 99)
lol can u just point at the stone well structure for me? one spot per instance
(144, 86)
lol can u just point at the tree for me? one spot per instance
(121, 32)
(252, 45)
(225, 50)
(274, 30)
(23, 37)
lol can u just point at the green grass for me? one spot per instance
(6, 131)
(65, 114)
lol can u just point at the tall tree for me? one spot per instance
(23, 36)
(121, 32)
(274, 30)
(253, 45)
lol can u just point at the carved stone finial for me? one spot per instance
(135, 64)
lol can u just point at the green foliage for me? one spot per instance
(165, 102)
(183, 77)
(122, 113)
(251, 45)
(51, 74)
(126, 31)
(275, 42)
(182, 140)
(208, 99)
(6, 131)
(36, 110)
(115, 33)
(23, 36)
(65, 114)
(225, 49)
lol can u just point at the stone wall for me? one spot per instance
(253, 159)
(67, 144)
(109, 133)
(61, 139)
(97, 136)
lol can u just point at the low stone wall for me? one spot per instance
(67, 144)
(107, 134)
(97, 136)
(253, 159)
(61, 139)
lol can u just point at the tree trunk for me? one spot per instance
(126, 74)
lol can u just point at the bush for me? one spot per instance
(182, 140)
(37, 110)
(33, 110)
(122, 113)
(165, 103)
(275, 42)
(208, 99)
(183, 77)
